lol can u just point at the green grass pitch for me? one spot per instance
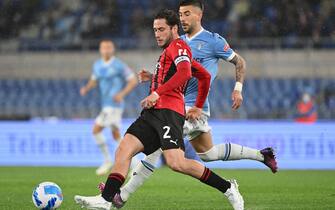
(167, 190)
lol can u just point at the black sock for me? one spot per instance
(112, 186)
(213, 180)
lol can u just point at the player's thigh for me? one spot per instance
(146, 134)
(129, 146)
(97, 128)
(127, 149)
(203, 142)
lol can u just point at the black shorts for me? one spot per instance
(159, 128)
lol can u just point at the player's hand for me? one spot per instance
(83, 91)
(194, 113)
(118, 98)
(150, 101)
(237, 99)
(144, 76)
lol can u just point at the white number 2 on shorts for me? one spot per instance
(166, 134)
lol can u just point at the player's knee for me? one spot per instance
(175, 165)
(96, 129)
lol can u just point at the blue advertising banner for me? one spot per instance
(51, 143)
(70, 143)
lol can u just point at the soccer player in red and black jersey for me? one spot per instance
(161, 122)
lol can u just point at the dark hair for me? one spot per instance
(196, 3)
(170, 16)
(106, 40)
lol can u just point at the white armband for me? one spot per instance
(181, 58)
(155, 93)
(238, 86)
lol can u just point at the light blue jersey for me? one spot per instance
(207, 48)
(112, 77)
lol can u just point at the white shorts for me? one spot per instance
(109, 117)
(193, 129)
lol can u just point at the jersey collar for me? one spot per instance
(195, 35)
(109, 61)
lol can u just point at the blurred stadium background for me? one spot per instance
(47, 48)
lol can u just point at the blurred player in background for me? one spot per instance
(115, 80)
(207, 48)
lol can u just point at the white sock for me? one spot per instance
(238, 152)
(141, 173)
(101, 142)
(230, 151)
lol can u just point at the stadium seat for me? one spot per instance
(60, 98)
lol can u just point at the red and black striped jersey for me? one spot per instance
(172, 72)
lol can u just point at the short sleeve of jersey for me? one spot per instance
(95, 67)
(126, 72)
(222, 49)
(180, 51)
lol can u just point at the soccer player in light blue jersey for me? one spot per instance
(207, 48)
(115, 80)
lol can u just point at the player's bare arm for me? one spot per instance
(240, 67)
(150, 101)
(131, 84)
(193, 113)
(144, 76)
(90, 85)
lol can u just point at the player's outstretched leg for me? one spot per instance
(230, 151)
(128, 148)
(176, 161)
(141, 173)
(117, 137)
(144, 170)
(204, 147)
